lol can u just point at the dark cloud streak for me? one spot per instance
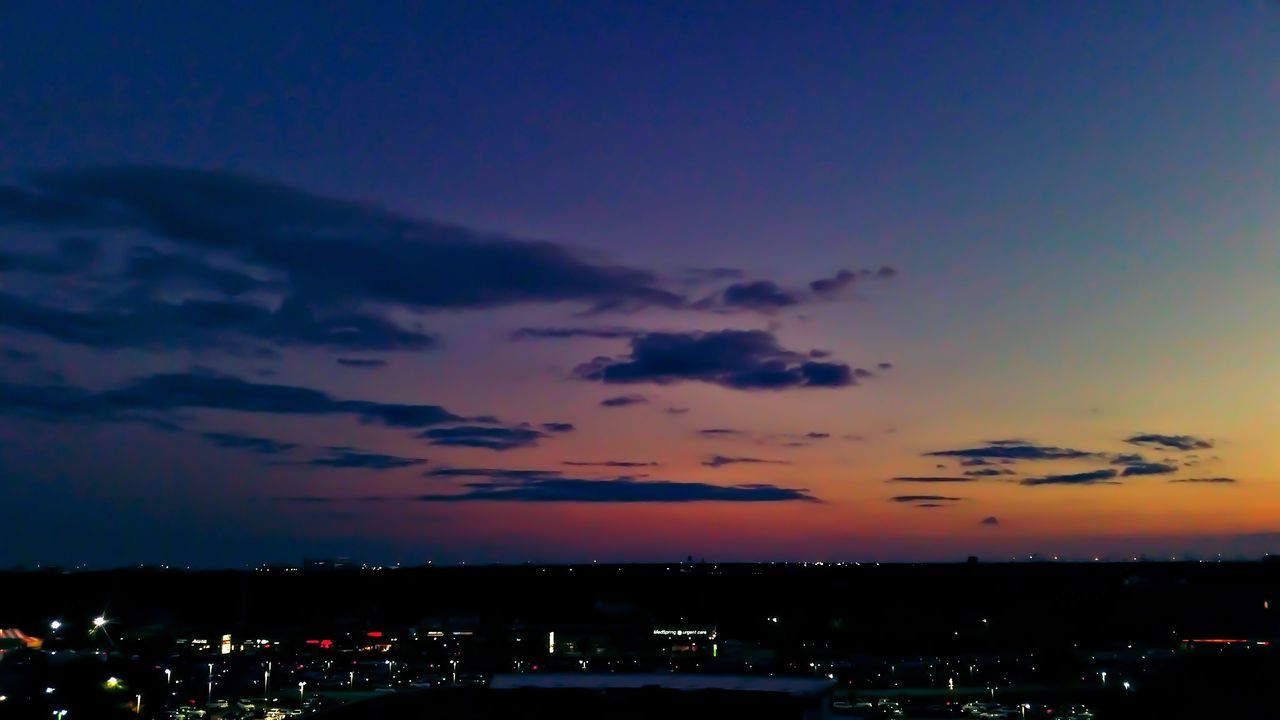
(499, 439)
(201, 324)
(349, 458)
(1170, 442)
(332, 251)
(565, 333)
(610, 463)
(735, 359)
(1014, 450)
(623, 401)
(260, 445)
(716, 461)
(167, 392)
(1094, 477)
(1148, 469)
(554, 488)
(362, 363)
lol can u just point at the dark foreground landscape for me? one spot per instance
(979, 640)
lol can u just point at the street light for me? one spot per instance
(99, 621)
(55, 625)
(208, 699)
(168, 676)
(302, 686)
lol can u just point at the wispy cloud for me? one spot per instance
(716, 461)
(610, 463)
(1094, 477)
(540, 487)
(1015, 450)
(930, 499)
(768, 297)
(1181, 443)
(734, 359)
(166, 392)
(486, 437)
(567, 333)
(623, 401)
(362, 363)
(260, 445)
(345, 457)
(1148, 469)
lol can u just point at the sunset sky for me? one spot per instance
(632, 281)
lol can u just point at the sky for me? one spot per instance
(635, 281)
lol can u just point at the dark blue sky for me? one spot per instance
(1077, 202)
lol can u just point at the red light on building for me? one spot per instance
(326, 644)
(374, 634)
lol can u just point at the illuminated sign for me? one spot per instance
(682, 633)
